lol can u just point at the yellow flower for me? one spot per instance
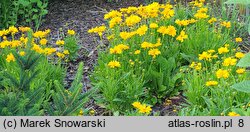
(143, 108)
(240, 70)
(222, 50)
(24, 40)
(212, 20)
(238, 39)
(137, 52)
(24, 29)
(43, 41)
(66, 52)
(99, 30)
(37, 48)
(182, 22)
(4, 32)
(60, 55)
(239, 55)
(154, 52)
(137, 104)
(229, 61)
(15, 43)
(226, 24)
(201, 15)
(205, 56)
(153, 25)
(211, 83)
(142, 30)
(22, 53)
(146, 45)
(114, 21)
(202, 10)
(13, 30)
(49, 51)
(118, 49)
(10, 57)
(170, 30)
(111, 37)
(211, 51)
(182, 36)
(91, 112)
(126, 35)
(222, 73)
(40, 34)
(114, 64)
(112, 14)
(60, 42)
(196, 66)
(168, 12)
(233, 114)
(80, 113)
(71, 32)
(132, 20)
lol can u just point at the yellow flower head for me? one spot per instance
(222, 50)
(226, 24)
(238, 39)
(146, 45)
(229, 62)
(13, 30)
(137, 104)
(154, 52)
(182, 36)
(66, 52)
(153, 25)
(10, 57)
(114, 64)
(71, 32)
(137, 52)
(60, 55)
(142, 30)
(114, 21)
(132, 20)
(222, 73)
(99, 30)
(24, 29)
(240, 70)
(239, 55)
(212, 20)
(60, 42)
(126, 35)
(233, 114)
(196, 66)
(49, 51)
(43, 41)
(22, 53)
(80, 113)
(205, 56)
(170, 30)
(211, 83)
(201, 15)
(112, 14)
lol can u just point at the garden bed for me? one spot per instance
(138, 59)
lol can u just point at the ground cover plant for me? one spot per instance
(23, 12)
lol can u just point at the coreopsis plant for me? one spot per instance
(208, 88)
(148, 45)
